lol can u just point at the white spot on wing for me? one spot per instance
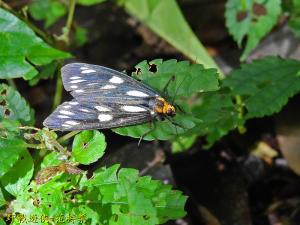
(76, 81)
(84, 110)
(67, 106)
(75, 77)
(131, 108)
(66, 112)
(104, 117)
(102, 108)
(73, 103)
(71, 122)
(137, 93)
(88, 71)
(65, 125)
(108, 86)
(74, 86)
(91, 84)
(116, 80)
(84, 68)
(79, 91)
(63, 116)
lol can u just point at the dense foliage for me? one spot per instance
(49, 186)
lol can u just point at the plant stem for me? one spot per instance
(35, 146)
(71, 14)
(67, 136)
(239, 104)
(58, 91)
(11, 83)
(66, 30)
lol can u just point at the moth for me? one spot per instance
(105, 98)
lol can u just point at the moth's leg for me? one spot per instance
(165, 90)
(180, 109)
(152, 128)
(176, 124)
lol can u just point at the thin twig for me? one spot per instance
(58, 91)
(66, 31)
(35, 146)
(67, 136)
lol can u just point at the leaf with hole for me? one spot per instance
(14, 106)
(251, 19)
(140, 200)
(188, 80)
(88, 146)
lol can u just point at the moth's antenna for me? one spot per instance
(173, 100)
(165, 90)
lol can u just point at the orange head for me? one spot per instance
(163, 107)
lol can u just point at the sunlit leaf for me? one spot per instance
(20, 49)
(156, 14)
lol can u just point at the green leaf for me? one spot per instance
(50, 160)
(9, 128)
(89, 2)
(265, 85)
(81, 36)
(10, 153)
(2, 199)
(189, 80)
(156, 14)
(18, 177)
(20, 49)
(218, 114)
(2, 222)
(14, 106)
(183, 143)
(160, 130)
(88, 146)
(134, 199)
(48, 10)
(46, 72)
(293, 8)
(262, 88)
(251, 19)
(109, 196)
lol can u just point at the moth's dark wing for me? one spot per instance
(76, 115)
(93, 81)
